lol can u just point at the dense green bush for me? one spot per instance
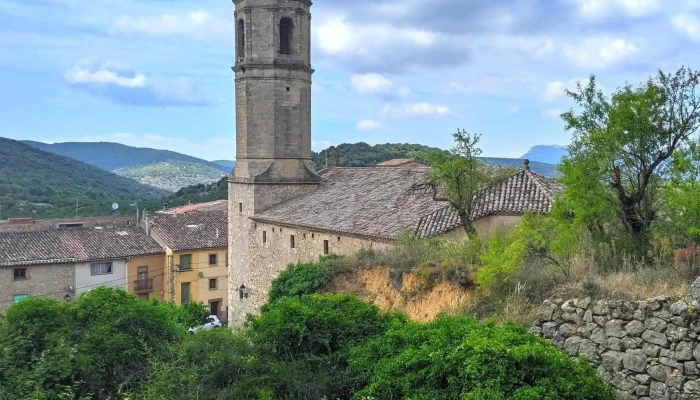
(309, 338)
(213, 364)
(458, 358)
(304, 278)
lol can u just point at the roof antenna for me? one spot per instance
(527, 164)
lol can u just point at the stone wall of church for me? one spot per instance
(644, 349)
(272, 255)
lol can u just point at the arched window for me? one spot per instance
(286, 27)
(240, 43)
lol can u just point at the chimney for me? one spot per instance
(526, 162)
(217, 233)
(326, 153)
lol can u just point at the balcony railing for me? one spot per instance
(143, 285)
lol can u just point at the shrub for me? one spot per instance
(304, 278)
(210, 365)
(458, 358)
(308, 340)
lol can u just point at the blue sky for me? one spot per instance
(156, 73)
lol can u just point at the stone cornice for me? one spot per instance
(273, 65)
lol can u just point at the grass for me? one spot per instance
(519, 298)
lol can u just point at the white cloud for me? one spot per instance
(79, 74)
(122, 84)
(403, 92)
(554, 91)
(552, 113)
(369, 125)
(417, 109)
(514, 109)
(371, 83)
(335, 35)
(197, 24)
(595, 9)
(688, 24)
(600, 52)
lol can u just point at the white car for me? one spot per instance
(211, 323)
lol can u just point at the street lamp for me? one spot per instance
(243, 291)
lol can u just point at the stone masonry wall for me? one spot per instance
(644, 349)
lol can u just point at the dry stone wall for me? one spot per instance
(644, 349)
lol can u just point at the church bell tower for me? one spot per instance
(273, 131)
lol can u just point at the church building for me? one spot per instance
(281, 210)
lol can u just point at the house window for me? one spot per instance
(286, 27)
(213, 283)
(226, 258)
(240, 45)
(184, 293)
(104, 268)
(185, 262)
(264, 237)
(291, 241)
(213, 259)
(325, 247)
(143, 296)
(19, 297)
(20, 274)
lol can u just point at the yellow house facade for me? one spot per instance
(196, 257)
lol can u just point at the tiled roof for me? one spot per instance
(375, 202)
(397, 162)
(523, 191)
(192, 230)
(217, 205)
(78, 244)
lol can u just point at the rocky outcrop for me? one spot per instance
(644, 349)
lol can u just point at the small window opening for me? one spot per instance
(287, 88)
(339, 238)
(305, 236)
(213, 283)
(291, 241)
(213, 259)
(20, 274)
(286, 26)
(240, 207)
(240, 45)
(264, 236)
(325, 247)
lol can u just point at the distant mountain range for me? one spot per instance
(159, 168)
(228, 164)
(41, 184)
(551, 154)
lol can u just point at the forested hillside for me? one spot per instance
(159, 168)
(363, 155)
(34, 182)
(113, 156)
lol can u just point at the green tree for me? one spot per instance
(308, 340)
(682, 194)
(458, 176)
(621, 145)
(210, 365)
(459, 358)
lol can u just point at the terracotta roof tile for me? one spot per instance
(192, 230)
(217, 205)
(523, 191)
(77, 244)
(375, 202)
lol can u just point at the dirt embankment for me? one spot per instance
(405, 294)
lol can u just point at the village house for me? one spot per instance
(63, 263)
(195, 239)
(281, 210)
(499, 207)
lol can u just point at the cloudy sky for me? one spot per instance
(156, 73)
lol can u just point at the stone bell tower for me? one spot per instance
(273, 132)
